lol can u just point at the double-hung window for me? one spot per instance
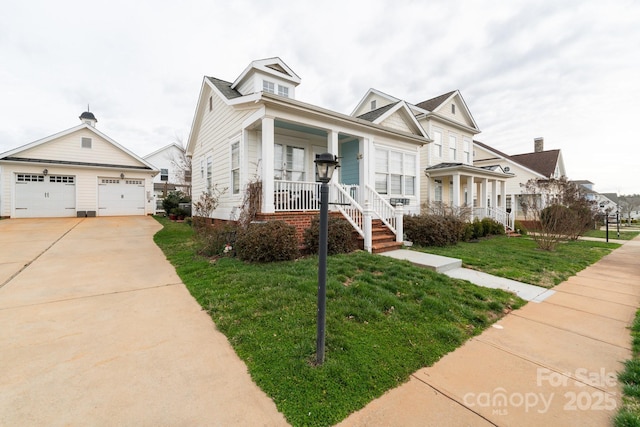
(395, 173)
(467, 151)
(453, 142)
(437, 143)
(268, 86)
(235, 167)
(164, 174)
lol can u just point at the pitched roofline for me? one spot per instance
(447, 167)
(260, 64)
(11, 153)
(164, 148)
(73, 163)
(377, 92)
(273, 99)
(506, 158)
(402, 105)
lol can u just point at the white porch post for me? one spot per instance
(470, 195)
(367, 213)
(332, 147)
(365, 162)
(494, 193)
(483, 195)
(456, 190)
(503, 192)
(399, 223)
(267, 165)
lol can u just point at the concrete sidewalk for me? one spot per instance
(97, 329)
(554, 363)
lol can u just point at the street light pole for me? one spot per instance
(325, 165)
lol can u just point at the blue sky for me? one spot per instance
(566, 71)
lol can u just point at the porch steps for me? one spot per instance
(382, 239)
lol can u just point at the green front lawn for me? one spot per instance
(613, 234)
(519, 259)
(629, 413)
(385, 320)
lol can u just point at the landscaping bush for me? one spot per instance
(267, 242)
(217, 239)
(477, 229)
(340, 238)
(433, 230)
(520, 228)
(492, 227)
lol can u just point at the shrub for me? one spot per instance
(267, 242)
(213, 239)
(340, 238)
(477, 228)
(520, 228)
(433, 230)
(492, 227)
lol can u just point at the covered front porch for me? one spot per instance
(480, 192)
(286, 150)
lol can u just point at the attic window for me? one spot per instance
(283, 91)
(268, 86)
(210, 103)
(86, 142)
(453, 108)
(373, 105)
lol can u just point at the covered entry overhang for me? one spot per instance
(481, 188)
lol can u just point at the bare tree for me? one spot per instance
(627, 205)
(559, 208)
(182, 164)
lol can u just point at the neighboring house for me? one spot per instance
(77, 172)
(253, 128)
(449, 173)
(539, 164)
(175, 172)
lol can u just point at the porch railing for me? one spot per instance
(296, 196)
(382, 208)
(349, 207)
(498, 215)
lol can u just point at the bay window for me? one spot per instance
(395, 173)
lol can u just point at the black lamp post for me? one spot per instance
(325, 165)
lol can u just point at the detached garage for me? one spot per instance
(77, 172)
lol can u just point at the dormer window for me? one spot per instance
(268, 86)
(86, 142)
(453, 108)
(283, 91)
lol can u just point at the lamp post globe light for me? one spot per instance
(326, 163)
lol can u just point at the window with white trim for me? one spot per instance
(453, 142)
(235, 167)
(467, 150)
(283, 91)
(373, 105)
(395, 173)
(437, 143)
(209, 174)
(268, 86)
(164, 174)
(86, 142)
(202, 168)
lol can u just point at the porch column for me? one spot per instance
(470, 191)
(456, 190)
(470, 195)
(494, 193)
(482, 203)
(267, 165)
(503, 193)
(366, 152)
(332, 146)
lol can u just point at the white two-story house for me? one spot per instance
(254, 129)
(449, 177)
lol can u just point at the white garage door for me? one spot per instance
(38, 195)
(120, 197)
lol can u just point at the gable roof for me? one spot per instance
(379, 115)
(273, 66)
(373, 115)
(166, 147)
(433, 103)
(543, 162)
(14, 155)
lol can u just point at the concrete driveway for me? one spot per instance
(96, 328)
